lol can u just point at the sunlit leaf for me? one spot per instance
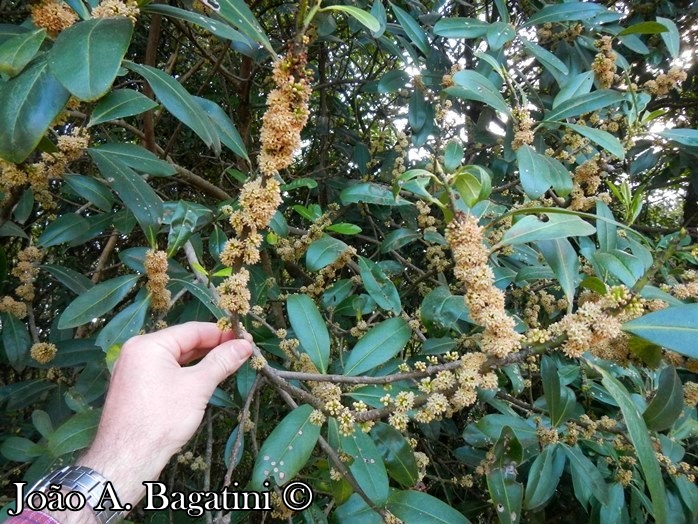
(376, 347)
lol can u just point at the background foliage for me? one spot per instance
(379, 306)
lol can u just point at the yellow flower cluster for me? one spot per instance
(54, 16)
(665, 82)
(688, 288)
(26, 271)
(485, 302)
(286, 115)
(156, 269)
(234, 294)
(43, 352)
(690, 394)
(523, 124)
(109, 8)
(13, 307)
(604, 64)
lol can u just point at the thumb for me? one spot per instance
(224, 360)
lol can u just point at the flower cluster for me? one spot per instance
(156, 269)
(43, 352)
(54, 16)
(485, 302)
(109, 8)
(13, 307)
(604, 64)
(523, 124)
(26, 271)
(665, 82)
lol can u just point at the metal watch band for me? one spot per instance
(88, 482)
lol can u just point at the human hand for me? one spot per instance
(155, 404)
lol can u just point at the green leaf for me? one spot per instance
(640, 438)
(366, 463)
(686, 137)
(204, 295)
(601, 138)
(473, 183)
(397, 454)
(453, 155)
(91, 190)
(29, 103)
(323, 252)
(179, 102)
(559, 399)
(422, 508)
(499, 34)
(87, 56)
(585, 103)
(220, 29)
(543, 477)
(625, 267)
(355, 509)
(186, 218)
(443, 307)
(125, 324)
(15, 340)
(137, 158)
(413, 30)
(361, 16)
(287, 448)
(393, 81)
(310, 329)
(534, 171)
(506, 494)
(547, 59)
(606, 230)
(566, 12)
(134, 192)
(64, 229)
(18, 51)
(532, 229)
(455, 27)
(97, 301)
(72, 280)
(376, 347)
(20, 449)
(236, 13)
(667, 404)
(379, 286)
(563, 260)
(227, 132)
(584, 470)
(74, 434)
(369, 193)
(644, 28)
(344, 228)
(672, 37)
(471, 85)
(575, 86)
(119, 104)
(399, 238)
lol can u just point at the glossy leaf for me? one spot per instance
(471, 85)
(534, 171)
(179, 102)
(186, 218)
(566, 12)
(15, 340)
(667, 404)
(379, 286)
(672, 37)
(96, 302)
(215, 27)
(238, 14)
(369, 193)
(506, 495)
(18, 51)
(323, 252)
(586, 103)
(398, 238)
(686, 137)
(543, 477)
(397, 454)
(355, 509)
(584, 470)
(29, 103)
(71, 279)
(361, 16)
(203, 294)
(601, 138)
(137, 158)
(134, 192)
(575, 86)
(20, 449)
(366, 463)
(393, 81)
(455, 27)
(74, 434)
(310, 329)
(532, 229)
(547, 59)
(64, 229)
(227, 132)
(119, 104)
(559, 399)
(287, 448)
(415, 506)
(126, 323)
(230, 444)
(640, 438)
(563, 260)
(376, 347)
(413, 30)
(644, 28)
(91, 190)
(87, 56)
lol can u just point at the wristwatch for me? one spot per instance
(86, 481)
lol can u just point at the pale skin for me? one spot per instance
(155, 403)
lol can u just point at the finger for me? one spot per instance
(223, 361)
(186, 342)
